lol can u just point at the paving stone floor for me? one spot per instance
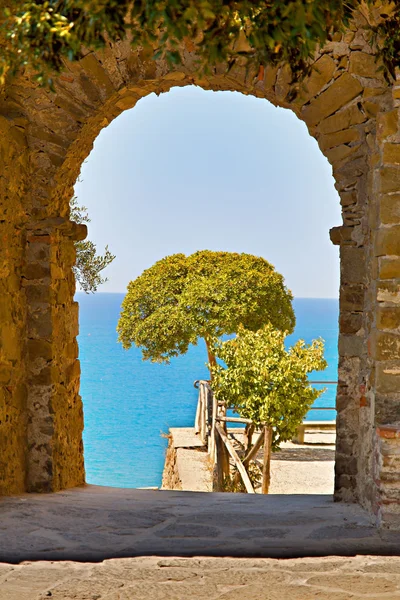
(155, 578)
(95, 523)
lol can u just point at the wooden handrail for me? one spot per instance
(254, 449)
(235, 420)
(210, 424)
(238, 463)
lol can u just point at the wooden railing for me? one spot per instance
(211, 426)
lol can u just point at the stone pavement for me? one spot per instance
(95, 523)
(154, 578)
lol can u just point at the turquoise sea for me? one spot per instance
(129, 403)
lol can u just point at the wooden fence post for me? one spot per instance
(212, 441)
(197, 424)
(224, 457)
(219, 464)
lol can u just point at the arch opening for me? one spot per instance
(185, 171)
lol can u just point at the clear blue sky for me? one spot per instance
(192, 170)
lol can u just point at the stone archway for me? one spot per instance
(45, 136)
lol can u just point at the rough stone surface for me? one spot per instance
(45, 136)
(95, 523)
(187, 466)
(330, 578)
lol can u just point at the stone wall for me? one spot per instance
(170, 477)
(348, 108)
(13, 415)
(387, 475)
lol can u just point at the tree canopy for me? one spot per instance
(42, 34)
(266, 383)
(205, 295)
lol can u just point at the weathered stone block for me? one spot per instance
(387, 346)
(69, 253)
(390, 208)
(352, 297)
(345, 136)
(350, 468)
(348, 198)
(371, 108)
(387, 124)
(340, 153)
(350, 323)
(63, 293)
(40, 349)
(73, 371)
(11, 345)
(127, 101)
(353, 265)
(322, 73)
(72, 350)
(389, 268)
(391, 154)
(365, 65)
(387, 410)
(36, 271)
(391, 464)
(270, 77)
(388, 241)
(389, 179)
(390, 447)
(342, 91)
(37, 251)
(341, 235)
(373, 92)
(282, 84)
(352, 345)
(38, 294)
(43, 377)
(388, 432)
(92, 65)
(5, 373)
(39, 324)
(388, 291)
(388, 317)
(342, 120)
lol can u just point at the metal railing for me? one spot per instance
(323, 383)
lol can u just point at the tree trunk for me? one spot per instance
(266, 472)
(248, 433)
(211, 357)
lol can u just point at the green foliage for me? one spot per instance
(389, 34)
(263, 32)
(266, 383)
(183, 298)
(89, 264)
(41, 34)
